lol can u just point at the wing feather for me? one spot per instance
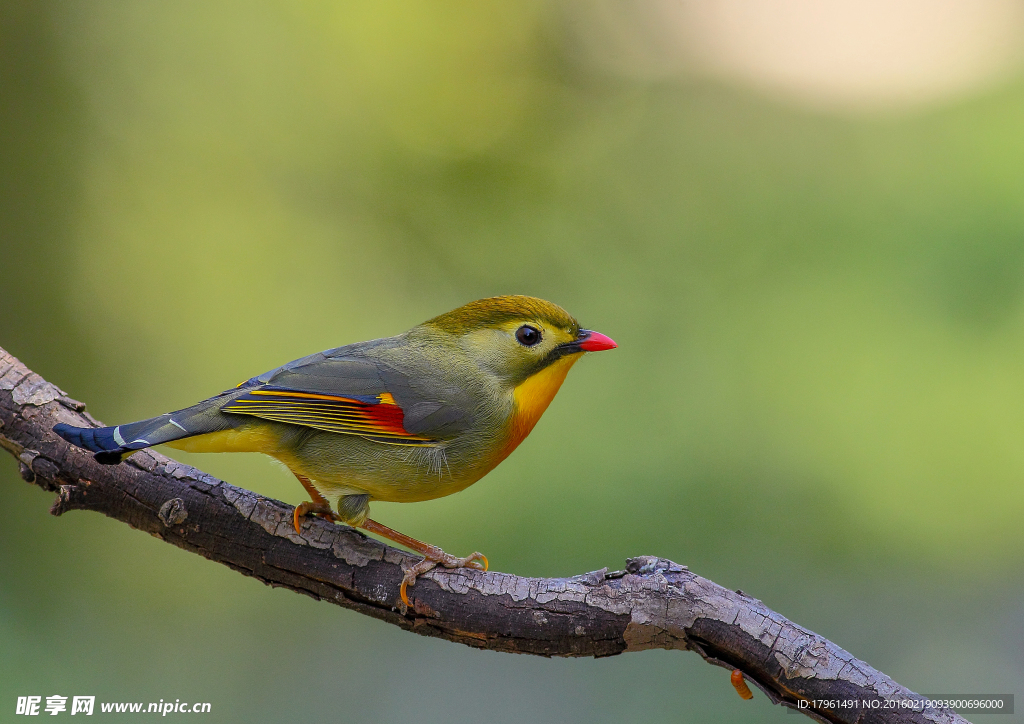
(376, 417)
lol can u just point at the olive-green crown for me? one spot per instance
(498, 310)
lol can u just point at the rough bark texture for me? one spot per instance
(654, 603)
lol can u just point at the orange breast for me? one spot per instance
(532, 397)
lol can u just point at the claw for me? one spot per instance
(432, 556)
(303, 509)
(297, 516)
(411, 573)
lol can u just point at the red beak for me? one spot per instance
(595, 341)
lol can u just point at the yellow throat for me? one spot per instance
(532, 397)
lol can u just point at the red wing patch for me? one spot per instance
(375, 417)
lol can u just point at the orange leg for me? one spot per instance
(432, 555)
(319, 506)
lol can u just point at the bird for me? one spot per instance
(408, 418)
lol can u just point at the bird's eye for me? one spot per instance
(527, 335)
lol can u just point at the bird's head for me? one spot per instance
(515, 337)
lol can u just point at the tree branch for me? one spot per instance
(654, 603)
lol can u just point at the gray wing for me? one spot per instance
(431, 407)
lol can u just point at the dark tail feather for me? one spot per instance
(104, 440)
(111, 445)
(98, 440)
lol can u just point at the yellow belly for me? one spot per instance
(249, 438)
(255, 437)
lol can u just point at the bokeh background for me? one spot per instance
(802, 221)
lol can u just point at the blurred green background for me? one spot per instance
(818, 396)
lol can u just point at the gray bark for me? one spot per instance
(653, 603)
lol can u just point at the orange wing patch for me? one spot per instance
(374, 417)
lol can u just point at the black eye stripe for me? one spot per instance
(528, 336)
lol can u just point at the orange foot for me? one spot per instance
(323, 509)
(432, 555)
(477, 561)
